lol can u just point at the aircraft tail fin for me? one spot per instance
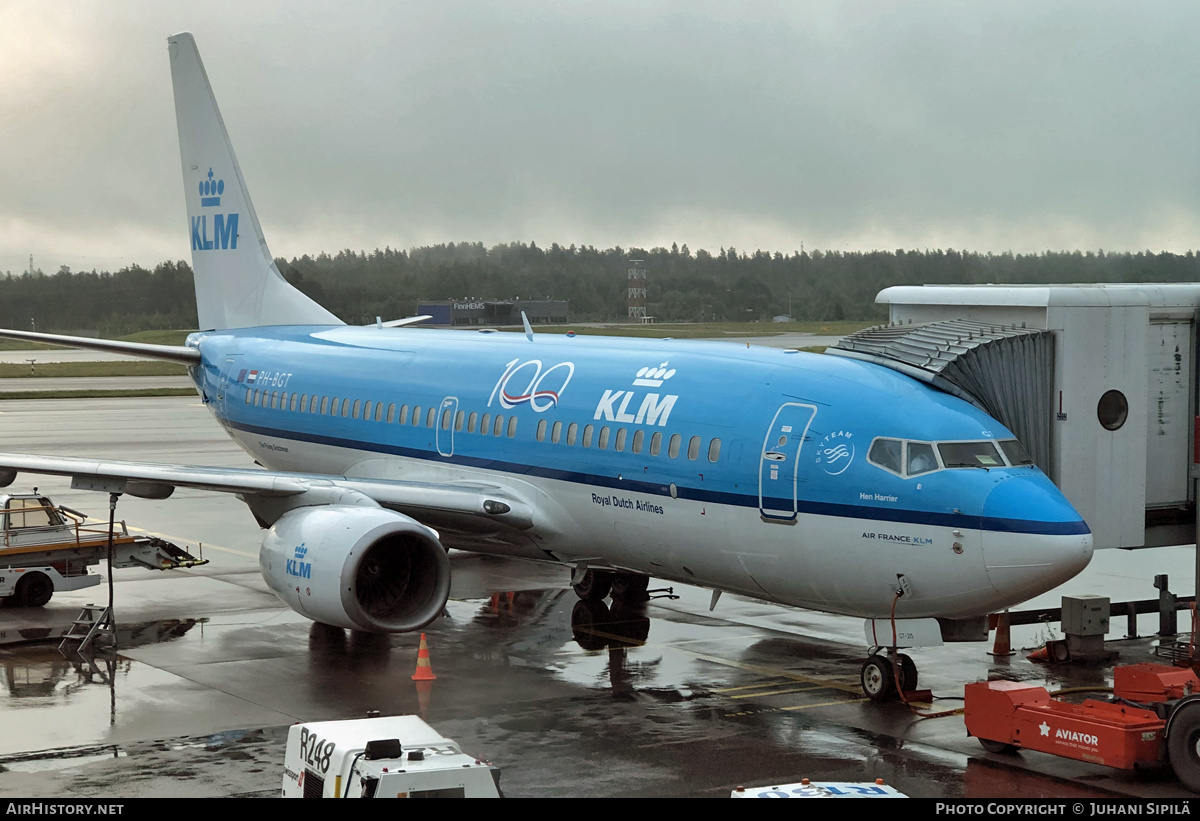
(237, 282)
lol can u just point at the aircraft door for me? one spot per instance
(779, 464)
(444, 424)
(228, 370)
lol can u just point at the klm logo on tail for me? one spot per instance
(224, 226)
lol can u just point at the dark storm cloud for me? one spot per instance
(1021, 126)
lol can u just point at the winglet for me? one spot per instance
(528, 329)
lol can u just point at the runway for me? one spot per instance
(569, 700)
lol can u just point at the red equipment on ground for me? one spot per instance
(1154, 716)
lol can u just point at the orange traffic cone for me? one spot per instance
(1003, 643)
(1040, 654)
(424, 672)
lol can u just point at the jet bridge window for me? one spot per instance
(970, 455)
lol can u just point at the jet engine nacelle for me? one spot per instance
(362, 568)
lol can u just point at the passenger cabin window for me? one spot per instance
(604, 438)
(357, 409)
(714, 450)
(446, 419)
(499, 429)
(458, 420)
(673, 448)
(556, 432)
(541, 430)
(588, 430)
(620, 445)
(694, 448)
(392, 413)
(430, 415)
(572, 433)
(485, 424)
(655, 444)
(416, 416)
(886, 453)
(512, 427)
(638, 438)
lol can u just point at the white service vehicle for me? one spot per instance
(387, 757)
(821, 789)
(45, 548)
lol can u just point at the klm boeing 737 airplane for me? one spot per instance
(811, 481)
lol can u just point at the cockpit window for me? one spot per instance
(921, 458)
(886, 454)
(1015, 453)
(970, 455)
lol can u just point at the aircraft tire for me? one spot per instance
(1183, 745)
(34, 590)
(908, 672)
(630, 587)
(877, 679)
(595, 585)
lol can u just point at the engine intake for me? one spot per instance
(363, 568)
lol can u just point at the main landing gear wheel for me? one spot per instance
(1183, 745)
(34, 590)
(595, 585)
(908, 672)
(630, 587)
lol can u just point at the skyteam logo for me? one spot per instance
(224, 226)
(526, 383)
(836, 452)
(653, 408)
(298, 568)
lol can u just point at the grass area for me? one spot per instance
(72, 369)
(96, 394)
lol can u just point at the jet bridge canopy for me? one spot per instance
(1005, 370)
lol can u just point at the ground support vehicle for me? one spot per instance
(821, 789)
(383, 757)
(45, 548)
(1153, 716)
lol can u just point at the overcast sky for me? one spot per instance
(858, 125)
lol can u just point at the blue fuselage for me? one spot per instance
(744, 468)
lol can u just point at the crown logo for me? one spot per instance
(653, 377)
(211, 190)
(301, 551)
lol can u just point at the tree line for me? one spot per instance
(682, 285)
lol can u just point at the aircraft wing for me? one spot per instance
(157, 481)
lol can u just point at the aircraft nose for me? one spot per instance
(1033, 539)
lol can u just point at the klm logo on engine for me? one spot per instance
(298, 568)
(652, 408)
(224, 226)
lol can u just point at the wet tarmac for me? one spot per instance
(665, 699)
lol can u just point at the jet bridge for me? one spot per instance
(1099, 382)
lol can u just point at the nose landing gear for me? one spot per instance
(884, 677)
